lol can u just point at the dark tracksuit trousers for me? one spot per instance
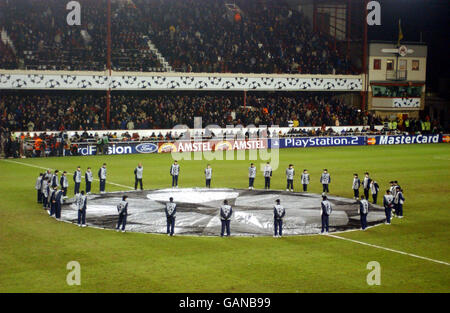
(58, 209)
(174, 180)
(88, 186)
(77, 188)
(136, 181)
(400, 209)
(374, 198)
(122, 221)
(366, 193)
(290, 184)
(388, 211)
(102, 184)
(225, 226)
(363, 218)
(325, 222)
(278, 226)
(267, 182)
(170, 225)
(82, 216)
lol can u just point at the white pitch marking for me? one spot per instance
(329, 235)
(389, 249)
(45, 168)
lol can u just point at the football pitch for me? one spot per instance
(413, 252)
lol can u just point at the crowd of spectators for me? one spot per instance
(261, 37)
(44, 40)
(266, 36)
(86, 110)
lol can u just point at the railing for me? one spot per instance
(397, 75)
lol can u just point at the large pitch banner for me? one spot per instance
(213, 145)
(304, 142)
(257, 144)
(404, 140)
(120, 148)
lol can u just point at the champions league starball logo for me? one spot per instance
(198, 211)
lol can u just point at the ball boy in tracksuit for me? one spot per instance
(102, 177)
(251, 176)
(64, 183)
(290, 172)
(374, 188)
(325, 180)
(325, 212)
(138, 174)
(45, 192)
(81, 202)
(59, 201)
(366, 185)
(55, 179)
(88, 178)
(305, 180)
(355, 186)
(38, 187)
(363, 211)
(388, 203)
(208, 176)
(278, 215)
(77, 180)
(122, 209)
(52, 200)
(171, 210)
(267, 175)
(398, 202)
(225, 215)
(174, 172)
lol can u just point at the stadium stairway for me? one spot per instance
(166, 66)
(7, 40)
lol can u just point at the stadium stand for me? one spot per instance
(28, 111)
(54, 45)
(194, 36)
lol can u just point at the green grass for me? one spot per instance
(34, 249)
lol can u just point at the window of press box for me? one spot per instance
(390, 65)
(377, 64)
(396, 91)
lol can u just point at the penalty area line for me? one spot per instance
(389, 249)
(45, 168)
